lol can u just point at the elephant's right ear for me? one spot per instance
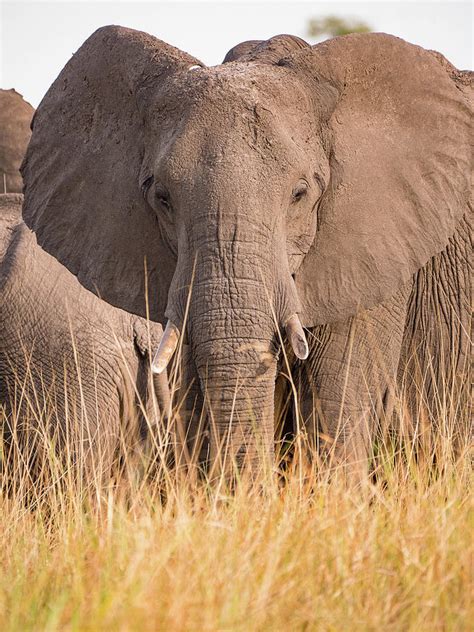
(83, 167)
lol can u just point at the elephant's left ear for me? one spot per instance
(399, 144)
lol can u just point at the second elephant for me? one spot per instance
(69, 362)
(15, 118)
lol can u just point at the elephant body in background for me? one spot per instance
(414, 346)
(324, 187)
(15, 119)
(67, 358)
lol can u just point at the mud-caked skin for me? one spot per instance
(328, 181)
(15, 119)
(66, 355)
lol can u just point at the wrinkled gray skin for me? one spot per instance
(63, 347)
(15, 119)
(331, 182)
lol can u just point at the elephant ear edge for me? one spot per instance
(83, 168)
(15, 120)
(401, 163)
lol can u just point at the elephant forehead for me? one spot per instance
(243, 159)
(223, 119)
(242, 87)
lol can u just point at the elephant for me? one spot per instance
(298, 208)
(15, 119)
(68, 359)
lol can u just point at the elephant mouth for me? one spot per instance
(169, 342)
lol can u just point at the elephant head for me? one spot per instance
(290, 187)
(15, 119)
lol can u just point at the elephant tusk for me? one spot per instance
(166, 348)
(295, 334)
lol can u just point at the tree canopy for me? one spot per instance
(332, 25)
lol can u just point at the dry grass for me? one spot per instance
(299, 553)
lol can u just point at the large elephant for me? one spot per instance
(324, 187)
(71, 365)
(15, 119)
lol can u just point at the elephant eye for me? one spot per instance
(299, 191)
(162, 197)
(146, 184)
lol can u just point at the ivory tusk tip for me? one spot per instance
(301, 349)
(157, 368)
(167, 347)
(296, 336)
(303, 354)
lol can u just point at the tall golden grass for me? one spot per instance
(152, 548)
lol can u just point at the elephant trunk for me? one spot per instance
(242, 293)
(237, 375)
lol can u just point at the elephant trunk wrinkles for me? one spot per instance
(237, 374)
(238, 293)
(242, 292)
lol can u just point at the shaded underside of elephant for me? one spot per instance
(327, 187)
(15, 119)
(72, 367)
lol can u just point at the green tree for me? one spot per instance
(332, 25)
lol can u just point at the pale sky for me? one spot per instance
(38, 38)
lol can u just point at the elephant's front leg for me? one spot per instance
(348, 380)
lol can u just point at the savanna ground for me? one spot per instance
(300, 553)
